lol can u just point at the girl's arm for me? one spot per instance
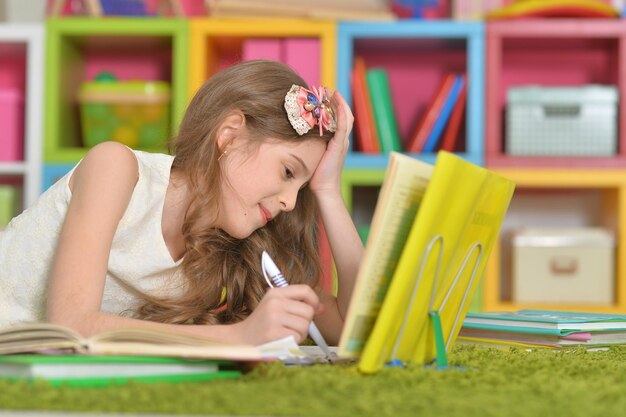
(102, 186)
(344, 240)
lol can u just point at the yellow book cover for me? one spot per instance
(464, 269)
(452, 232)
(399, 199)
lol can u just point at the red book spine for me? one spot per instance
(452, 130)
(365, 127)
(420, 134)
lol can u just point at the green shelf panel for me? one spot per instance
(69, 41)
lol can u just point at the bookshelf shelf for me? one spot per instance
(218, 43)
(132, 49)
(21, 72)
(551, 52)
(559, 197)
(417, 54)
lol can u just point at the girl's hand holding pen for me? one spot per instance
(327, 176)
(282, 312)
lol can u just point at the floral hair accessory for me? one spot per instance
(307, 108)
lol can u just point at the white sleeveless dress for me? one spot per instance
(139, 262)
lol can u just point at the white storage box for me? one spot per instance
(563, 266)
(562, 121)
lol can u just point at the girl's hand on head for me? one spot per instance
(327, 176)
(282, 312)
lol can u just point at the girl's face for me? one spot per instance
(261, 185)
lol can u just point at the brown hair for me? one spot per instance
(214, 260)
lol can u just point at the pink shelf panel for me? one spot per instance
(13, 65)
(134, 58)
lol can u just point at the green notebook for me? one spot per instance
(90, 371)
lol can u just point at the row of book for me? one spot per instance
(543, 329)
(375, 122)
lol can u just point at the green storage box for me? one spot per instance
(135, 113)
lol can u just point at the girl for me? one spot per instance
(174, 242)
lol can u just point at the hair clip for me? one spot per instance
(307, 108)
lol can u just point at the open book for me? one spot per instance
(431, 235)
(52, 338)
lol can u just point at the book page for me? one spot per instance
(151, 342)
(39, 337)
(399, 199)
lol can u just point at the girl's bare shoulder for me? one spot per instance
(107, 164)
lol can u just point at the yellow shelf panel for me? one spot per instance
(612, 184)
(564, 178)
(230, 33)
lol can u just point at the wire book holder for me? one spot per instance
(442, 345)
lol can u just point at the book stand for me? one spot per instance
(441, 345)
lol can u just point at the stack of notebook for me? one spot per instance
(543, 328)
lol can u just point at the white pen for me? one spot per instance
(269, 268)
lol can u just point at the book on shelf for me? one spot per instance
(95, 370)
(53, 338)
(365, 126)
(383, 109)
(431, 234)
(417, 140)
(451, 133)
(444, 115)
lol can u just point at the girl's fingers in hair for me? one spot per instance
(345, 119)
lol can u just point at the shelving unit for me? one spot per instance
(79, 48)
(218, 43)
(555, 191)
(552, 52)
(21, 69)
(560, 198)
(416, 55)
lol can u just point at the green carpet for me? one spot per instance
(491, 383)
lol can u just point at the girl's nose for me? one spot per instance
(288, 199)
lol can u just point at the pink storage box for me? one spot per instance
(11, 125)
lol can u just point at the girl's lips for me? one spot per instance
(267, 215)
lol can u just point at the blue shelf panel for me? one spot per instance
(52, 173)
(358, 160)
(471, 35)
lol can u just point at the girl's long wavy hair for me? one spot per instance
(213, 260)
